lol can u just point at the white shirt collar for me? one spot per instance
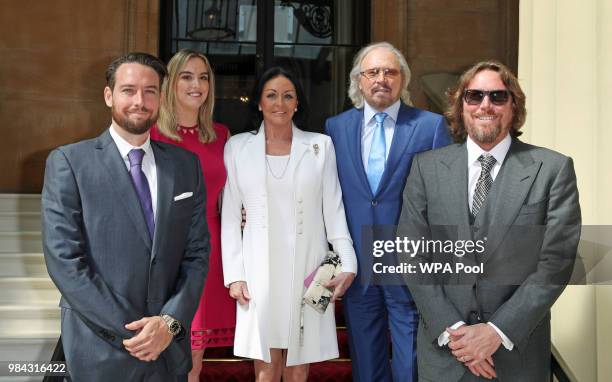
(498, 152)
(125, 147)
(392, 112)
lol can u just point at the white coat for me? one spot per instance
(320, 218)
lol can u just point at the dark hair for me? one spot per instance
(138, 58)
(300, 117)
(455, 99)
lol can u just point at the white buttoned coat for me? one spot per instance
(320, 219)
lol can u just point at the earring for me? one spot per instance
(259, 108)
(295, 110)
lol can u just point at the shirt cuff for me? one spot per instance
(505, 340)
(444, 338)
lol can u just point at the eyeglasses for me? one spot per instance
(475, 97)
(372, 74)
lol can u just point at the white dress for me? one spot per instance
(281, 237)
(314, 200)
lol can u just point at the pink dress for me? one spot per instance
(214, 323)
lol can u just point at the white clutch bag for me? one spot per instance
(317, 296)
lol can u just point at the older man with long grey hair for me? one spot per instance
(375, 142)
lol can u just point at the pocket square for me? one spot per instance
(182, 196)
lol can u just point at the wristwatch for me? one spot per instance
(174, 326)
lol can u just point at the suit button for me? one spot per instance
(153, 262)
(374, 203)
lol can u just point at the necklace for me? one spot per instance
(185, 129)
(279, 177)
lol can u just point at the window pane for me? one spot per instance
(323, 72)
(321, 22)
(315, 38)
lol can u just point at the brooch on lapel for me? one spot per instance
(315, 147)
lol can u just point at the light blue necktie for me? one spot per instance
(378, 150)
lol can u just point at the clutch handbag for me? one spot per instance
(317, 296)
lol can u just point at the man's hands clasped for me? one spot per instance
(474, 345)
(151, 339)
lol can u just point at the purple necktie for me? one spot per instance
(142, 187)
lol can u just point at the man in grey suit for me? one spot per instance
(518, 205)
(125, 238)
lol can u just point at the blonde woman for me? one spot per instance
(185, 119)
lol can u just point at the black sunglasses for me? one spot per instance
(475, 96)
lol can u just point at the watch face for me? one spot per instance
(175, 327)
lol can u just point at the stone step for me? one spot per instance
(22, 265)
(19, 202)
(28, 291)
(19, 221)
(20, 350)
(27, 349)
(19, 321)
(29, 312)
(20, 242)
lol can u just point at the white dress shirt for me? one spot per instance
(474, 168)
(148, 163)
(369, 123)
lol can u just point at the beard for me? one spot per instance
(485, 135)
(135, 128)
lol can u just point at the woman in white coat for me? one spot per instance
(287, 182)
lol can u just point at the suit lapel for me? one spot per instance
(353, 131)
(165, 190)
(404, 129)
(516, 177)
(120, 182)
(453, 181)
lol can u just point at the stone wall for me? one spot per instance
(54, 54)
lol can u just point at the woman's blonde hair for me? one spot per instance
(167, 122)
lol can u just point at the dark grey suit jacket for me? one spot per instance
(531, 221)
(100, 256)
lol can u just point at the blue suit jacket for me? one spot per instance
(415, 131)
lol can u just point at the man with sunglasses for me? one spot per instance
(375, 142)
(521, 201)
